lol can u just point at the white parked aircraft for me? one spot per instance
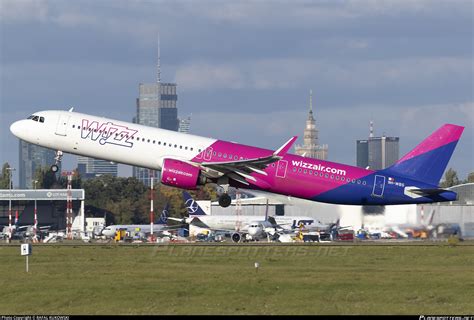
(159, 227)
(246, 227)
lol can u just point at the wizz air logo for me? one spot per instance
(107, 132)
(318, 167)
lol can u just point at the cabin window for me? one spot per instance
(294, 169)
(181, 147)
(154, 141)
(214, 153)
(332, 176)
(191, 149)
(358, 181)
(185, 148)
(273, 164)
(220, 155)
(305, 171)
(364, 183)
(300, 170)
(326, 176)
(73, 126)
(343, 179)
(225, 155)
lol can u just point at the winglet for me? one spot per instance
(284, 148)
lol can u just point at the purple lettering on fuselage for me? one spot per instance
(107, 132)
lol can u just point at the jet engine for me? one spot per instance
(180, 174)
(236, 237)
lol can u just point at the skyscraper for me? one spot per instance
(377, 152)
(156, 107)
(90, 167)
(311, 147)
(33, 157)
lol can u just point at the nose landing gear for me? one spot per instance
(58, 158)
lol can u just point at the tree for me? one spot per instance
(5, 176)
(450, 179)
(46, 178)
(470, 177)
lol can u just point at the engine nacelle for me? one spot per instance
(180, 174)
(236, 237)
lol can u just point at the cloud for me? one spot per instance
(12, 11)
(290, 73)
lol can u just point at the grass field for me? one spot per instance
(167, 279)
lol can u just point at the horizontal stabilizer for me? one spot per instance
(428, 192)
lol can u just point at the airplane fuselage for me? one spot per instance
(148, 147)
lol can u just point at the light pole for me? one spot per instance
(11, 169)
(35, 226)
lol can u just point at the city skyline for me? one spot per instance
(406, 65)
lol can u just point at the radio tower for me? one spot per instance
(152, 214)
(158, 75)
(69, 206)
(238, 210)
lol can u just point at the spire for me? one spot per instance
(311, 100)
(158, 79)
(371, 134)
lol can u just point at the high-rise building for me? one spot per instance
(156, 107)
(185, 124)
(377, 152)
(33, 157)
(383, 152)
(362, 153)
(311, 147)
(90, 167)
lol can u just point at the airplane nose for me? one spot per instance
(15, 128)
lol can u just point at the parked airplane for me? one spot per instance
(256, 227)
(160, 226)
(187, 161)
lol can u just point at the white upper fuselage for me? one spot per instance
(113, 140)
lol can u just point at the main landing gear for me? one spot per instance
(58, 158)
(224, 199)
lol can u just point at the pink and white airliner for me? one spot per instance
(188, 161)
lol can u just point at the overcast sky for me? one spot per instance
(244, 68)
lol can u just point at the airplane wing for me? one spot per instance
(241, 170)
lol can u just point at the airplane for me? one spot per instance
(21, 232)
(160, 226)
(245, 226)
(188, 161)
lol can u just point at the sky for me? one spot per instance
(244, 69)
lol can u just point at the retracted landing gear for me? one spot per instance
(58, 158)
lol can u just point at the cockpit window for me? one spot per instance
(30, 117)
(41, 119)
(35, 118)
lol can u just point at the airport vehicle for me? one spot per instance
(187, 161)
(160, 226)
